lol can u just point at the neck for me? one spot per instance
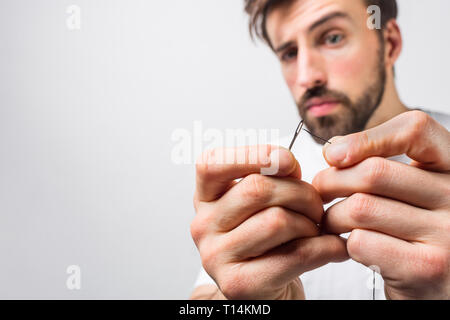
(390, 106)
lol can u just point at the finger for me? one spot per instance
(413, 133)
(364, 211)
(217, 169)
(386, 178)
(256, 192)
(395, 258)
(266, 230)
(290, 260)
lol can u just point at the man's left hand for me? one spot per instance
(398, 214)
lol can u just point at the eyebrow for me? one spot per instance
(284, 46)
(327, 18)
(315, 25)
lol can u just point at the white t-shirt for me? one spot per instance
(345, 280)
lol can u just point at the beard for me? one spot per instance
(354, 114)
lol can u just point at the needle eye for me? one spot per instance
(297, 132)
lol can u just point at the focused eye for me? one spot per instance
(289, 55)
(334, 39)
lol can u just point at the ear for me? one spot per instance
(393, 42)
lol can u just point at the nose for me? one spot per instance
(310, 70)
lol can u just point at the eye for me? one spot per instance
(289, 55)
(333, 39)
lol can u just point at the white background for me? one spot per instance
(86, 119)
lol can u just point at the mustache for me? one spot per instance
(323, 92)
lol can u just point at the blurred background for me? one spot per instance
(86, 123)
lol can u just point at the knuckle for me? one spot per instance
(209, 256)
(199, 227)
(234, 285)
(360, 207)
(374, 171)
(197, 230)
(257, 188)
(356, 141)
(418, 120)
(276, 220)
(232, 289)
(435, 265)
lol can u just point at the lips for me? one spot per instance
(321, 106)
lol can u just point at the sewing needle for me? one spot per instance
(297, 132)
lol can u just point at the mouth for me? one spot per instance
(321, 107)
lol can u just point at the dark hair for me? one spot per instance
(258, 10)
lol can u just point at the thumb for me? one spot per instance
(413, 133)
(307, 254)
(318, 251)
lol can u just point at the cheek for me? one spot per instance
(348, 67)
(350, 72)
(290, 77)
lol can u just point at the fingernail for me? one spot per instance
(281, 160)
(337, 150)
(330, 142)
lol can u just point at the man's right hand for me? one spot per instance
(256, 236)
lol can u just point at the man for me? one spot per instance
(268, 237)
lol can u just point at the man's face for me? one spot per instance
(332, 62)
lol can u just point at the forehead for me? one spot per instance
(292, 17)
